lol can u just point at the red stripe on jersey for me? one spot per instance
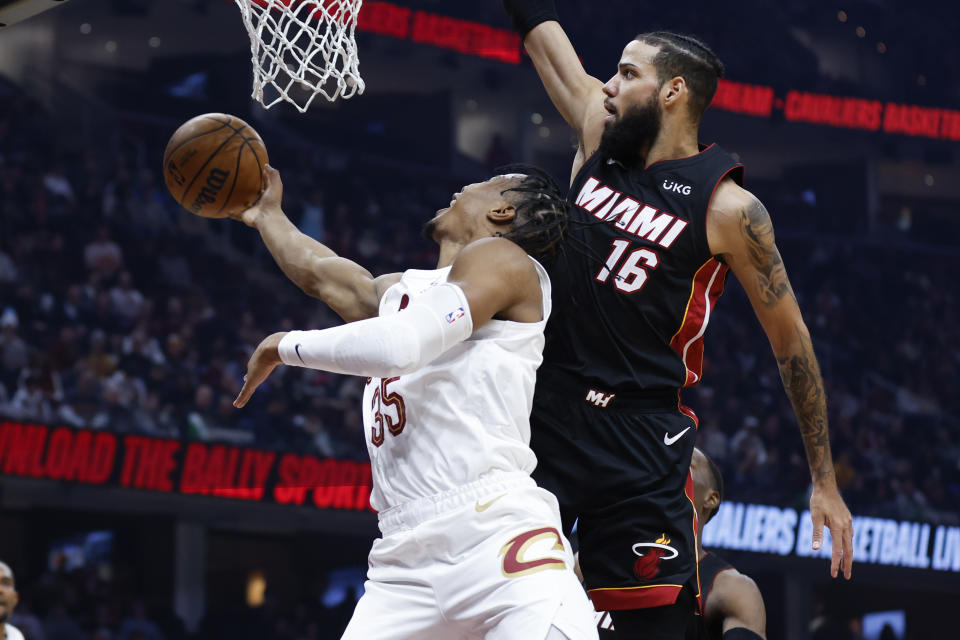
(688, 491)
(706, 287)
(706, 594)
(687, 411)
(654, 595)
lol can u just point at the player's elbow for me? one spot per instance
(789, 338)
(398, 368)
(786, 332)
(401, 357)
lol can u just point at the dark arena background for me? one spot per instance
(136, 502)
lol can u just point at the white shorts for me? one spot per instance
(487, 560)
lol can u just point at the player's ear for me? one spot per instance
(503, 214)
(712, 501)
(672, 90)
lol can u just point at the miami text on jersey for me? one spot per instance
(635, 218)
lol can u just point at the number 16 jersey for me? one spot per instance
(464, 416)
(636, 283)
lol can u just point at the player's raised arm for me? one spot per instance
(740, 231)
(490, 277)
(349, 289)
(577, 95)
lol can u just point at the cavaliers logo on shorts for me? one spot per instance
(514, 562)
(647, 565)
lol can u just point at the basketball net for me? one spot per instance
(301, 49)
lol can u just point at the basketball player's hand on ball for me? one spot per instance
(828, 508)
(262, 363)
(269, 200)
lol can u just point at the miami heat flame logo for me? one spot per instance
(651, 553)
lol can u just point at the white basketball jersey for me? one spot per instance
(12, 633)
(464, 415)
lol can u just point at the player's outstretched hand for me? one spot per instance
(269, 200)
(262, 363)
(828, 508)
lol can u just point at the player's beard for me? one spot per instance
(429, 228)
(628, 138)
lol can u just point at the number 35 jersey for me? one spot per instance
(464, 415)
(636, 283)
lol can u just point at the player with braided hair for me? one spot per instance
(656, 224)
(471, 546)
(542, 210)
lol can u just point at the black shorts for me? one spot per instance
(622, 472)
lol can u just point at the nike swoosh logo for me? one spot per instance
(297, 349)
(483, 507)
(668, 440)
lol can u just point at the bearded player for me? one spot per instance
(471, 547)
(8, 602)
(656, 225)
(733, 607)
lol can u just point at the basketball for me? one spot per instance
(213, 165)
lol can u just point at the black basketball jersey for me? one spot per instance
(711, 565)
(635, 284)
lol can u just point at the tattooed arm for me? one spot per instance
(739, 230)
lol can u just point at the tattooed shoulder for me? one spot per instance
(756, 230)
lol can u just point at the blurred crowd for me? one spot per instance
(82, 605)
(94, 603)
(120, 311)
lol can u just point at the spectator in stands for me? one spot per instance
(8, 270)
(138, 626)
(312, 219)
(125, 299)
(102, 254)
(58, 625)
(13, 349)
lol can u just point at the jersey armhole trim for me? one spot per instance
(712, 583)
(546, 289)
(706, 214)
(583, 167)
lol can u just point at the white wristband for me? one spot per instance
(386, 346)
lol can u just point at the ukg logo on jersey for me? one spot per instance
(676, 187)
